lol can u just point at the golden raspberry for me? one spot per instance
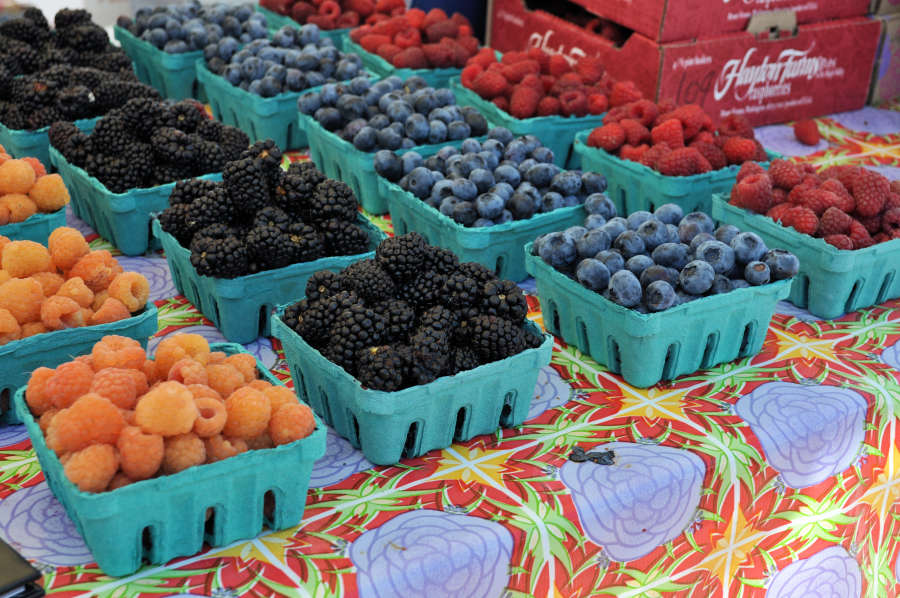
(112, 310)
(18, 207)
(178, 346)
(263, 441)
(132, 289)
(5, 216)
(246, 365)
(119, 480)
(93, 468)
(183, 451)
(117, 385)
(9, 327)
(141, 454)
(97, 269)
(46, 419)
(49, 193)
(61, 312)
(50, 282)
(69, 382)
(114, 351)
(23, 298)
(224, 379)
(167, 409)
(36, 166)
(218, 447)
(24, 258)
(36, 395)
(99, 299)
(33, 328)
(75, 289)
(4, 275)
(187, 371)
(91, 419)
(67, 246)
(202, 390)
(260, 384)
(248, 413)
(279, 396)
(211, 418)
(16, 176)
(291, 422)
(215, 356)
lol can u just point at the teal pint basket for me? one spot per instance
(831, 281)
(556, 132)
(275, 21)
(174, 75)
(389, 426)
(633, 186)
(20, 143)
(162, 518)
(240, 307)
(381, 67)
(648, 348)
(37, 228)
(121, 218)
(19, 358)
(499, 247)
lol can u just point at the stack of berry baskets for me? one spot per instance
(534, 93)
(165, 44)
(655, 296)
(346, 124)
(125, 170)
(32, 202)
(412, 350)
(653, 154)
(415, 44)
(256, 87)
(843, 222)
(485, 200)
(58, 300)
(301, 223)
(150, 474)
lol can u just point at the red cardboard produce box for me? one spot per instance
(823, 68)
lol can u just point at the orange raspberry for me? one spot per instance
(119, 480)
(149, 370)
(49, 193)
(183, 451)
(178, 346)
(224, 378)
(248, 413)
(4, 215)
(64, 458)
(128, 415)
(115, 351)
(36, 394)
(132, 289)
(67, 246)
(167, 409)
(202, 390)
(142, 454)
(99, 299)
(18, 207)
(246, 365)
(16, 176)
(36, 166)
(87, 360)
(187, 371)
(279, 396)
(291, 422)
(9, 327)
(211, 418)
(4, 275)
(117, 385)
(23, 298)
(263, 441)
(260, 384)
(140, 381)
(112, 310)
(75, 289)
(33, 328)
(4, 241)
(93, 468)
(61, 312)
(97, 269)
(216, 357)
(218, 447)
(24, 258)
(69, 381)
(91, 419)
(46, 419)
(50, 282)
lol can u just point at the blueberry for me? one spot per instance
(490, 159)
(437, 132)
(525, 165)
(672, 231)
(255, 87)
(444, 96)
(447, 151)
(277, 71)
(593, 182)
(388, 165)
(351, 106)
(593, 221)
(566, 183)
(706, 224)
(540, 175)
(598, 203)
(505, 217)
(284, 38)
(757, 273)
(458, 130)
(470, 162)
(232, 74)
(699, 240)
(435, 163)
(492, 145)
(638, 263)
(721, 284)
(615, 226)
(410, 161)
(440, 114)
(329, 93)
(470, 146)
(660, 296)
(314, 79)
(748, 247)
(447, 205)
(501, 134)
(515, 151)
(352, 128)
(782, 264)
(592, 274)
(529, 190)
(308, 34)
(697, 277)
(417, 128)
(726, 233)
(551, 201)
(442, 188)
(157, 37)
(399, 111)
(669, 213)
(477, 123)
(688, 229)
(176, 46)
(671, 255)
(625, 288)
(504, 190)
(571, 200)
(464, 189)
(294, 80)
(419, 182)
(592, 243)
(482, 222)
(717, 254)
(329, 118)
(558, 250)
(654, 233)
(612, 259)
(629, 243)
(635, 219)
(575, 232)
(464, 213)
(389, 138)
(386, 100)
(482, 178)
(507, 174)
(521, 206)
(656, 272)
(489, 205)
(269, 87)
(543, 154)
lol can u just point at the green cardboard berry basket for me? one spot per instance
(499, 247)
(162, 518)
(240, 307)
(556, 132)
(123, 219)
(174, 75)
(831, 281)
(648, 348)
(389, 426)
(37, 228)
(633, 186)
(19, 358)
(20, 143)
(381, 67)
(275, 21)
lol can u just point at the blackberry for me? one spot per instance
(60, 132)
(292, 195)
(269, 155)
(504, 298)
(344, 238)
(382, 368)
(460, 291)
(323, 283)
(246, 183)
(167, 172)
(368, 280)
(187, 191)
(292, 313)
(332, 199)
(269, 247)
(439, 318)
(315, 320)
(6, 79)
(273, 217)
(173, 220)
(301, 168)
(424, 290)
(462, 359)
(402, 256)
(111, 136)
(214, 207)
(75, 149)
(71, 16)
(355, 328)
(112, 93)
(477, 271)
(442, 260)
(24, 30)
(210, 130)
(185, 116)
(75, 102)
(174, 146)
(83, 38)
(43, 117)
(217, 251)
(140, 156)
(115, 173)
(140, 116)
(532, 340)
(210, 157)
(13, 118)
(36, 16)
(305, 242)
(430, 357)
(233, 142)
(400, 318)
(491, 337)
(112, 60)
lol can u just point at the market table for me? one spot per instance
(777, 475)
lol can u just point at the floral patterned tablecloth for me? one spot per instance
(774, 476)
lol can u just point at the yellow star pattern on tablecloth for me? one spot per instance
(470, 464)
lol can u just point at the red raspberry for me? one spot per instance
(624, 92)
(469, 74)
(540, 56)
(558, 65)
(749, 168)
(410, 58)
(892, 200)
(819, 200)
(615, 115)
(490, 84)
(502, 103)
(633, 153)
(92, 468)
(735, 125)
(712, 153)
(739, 150)
(653, 155)
(468, 43)
(330, 8)
(670, 132)
(566, 82)
(643, 111)
(523, 101)
(839, 241)
(802, 219)
(598, 103)
(532, 80)
(438, 31)
(364, 8)
(777, 211)
(692, 118)
(438, 56)
(608, 137)
(859, 235)
(684, 161)
(845, 201)
(895, 186)
(834, 222)
(323, 22)
(870, 191)
(573, 103)
(347, 20)
(844, 173)
(590, 69)
(872, 223)
(388, 51)
(784, 174)
(514, 73)
(807, 132)
(890, 222)
(779, 195)
(753, 193)
(635, 132)
(407, 37)
(371, 42)
(761, 155)
(548, 106)
(484, 58)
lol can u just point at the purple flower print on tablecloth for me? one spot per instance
(261, 348)
(830, 573)
(781, 139)
(789, 309)
(808, 432)
(646, 498)
(433, 554)
(77, 223)
(10, 435)
(34, 523)
(339, 462)
(871, 120)
(157, 272)
(891, 356)
(549, 392)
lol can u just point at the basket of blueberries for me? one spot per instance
(653, 296)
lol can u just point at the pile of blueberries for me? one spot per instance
(192, 26)
(293, 60)
(484, 183)
(651, 262)
(392, 114)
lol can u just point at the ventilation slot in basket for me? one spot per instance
(612, 363)
(209, 526)
(885, 288)
(747, 339)
(461, 417)
(412, 440)
(709, 351)
(325, 410)
(214, 311)
(506, 412)
(583, 342)
(854, 296)
(803, 284)
(264, 312)
(669, 365)
(269, 508)
(501, 261)
(554, 318)
(147, 544)
(354, 424)
(5, 400)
